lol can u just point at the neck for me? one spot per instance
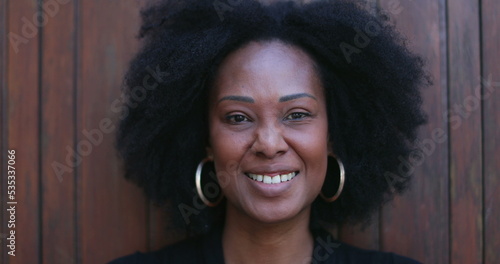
(246, 240)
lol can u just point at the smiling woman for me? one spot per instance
(279, 131)
(265, 119)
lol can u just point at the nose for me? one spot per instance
(269, 141)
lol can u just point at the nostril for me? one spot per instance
(269, 142)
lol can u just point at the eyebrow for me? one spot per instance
(247, 99)
(296, 96)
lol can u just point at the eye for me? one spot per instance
(297, 116)
(236, 119)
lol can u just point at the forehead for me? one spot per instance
(267, 69)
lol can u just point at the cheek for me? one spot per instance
(315, 158)
(311, 146)
(228, 148)
(227, 143)
(312, 141)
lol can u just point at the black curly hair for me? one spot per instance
(371, 80)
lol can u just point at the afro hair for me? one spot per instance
(372, 84)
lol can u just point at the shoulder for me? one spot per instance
(206, 248)
(351, 254)
(329, 250)
(182, 252)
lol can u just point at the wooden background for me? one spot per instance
(59, 81)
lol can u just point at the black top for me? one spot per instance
(208, 250)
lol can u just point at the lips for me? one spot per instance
(272, 178)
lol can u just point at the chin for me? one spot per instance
(273, 213)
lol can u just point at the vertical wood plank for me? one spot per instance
(23, 125)
(57, 134)
(416, 224)
(465, 132)
(491, 127)
(366, 237)
(3, 134)
(112, 212)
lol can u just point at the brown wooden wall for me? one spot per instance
(59, 83)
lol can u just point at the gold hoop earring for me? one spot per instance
(199, 190)
(341, 182)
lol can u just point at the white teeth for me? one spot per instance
(276, 179)
(267, 179)
(272, 179)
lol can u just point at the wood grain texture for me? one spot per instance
(57, 134)
(23, 127)
(3, 132)
(112, 211)
(58, 84)
(416, 224)
(491, 128)
(466, 192)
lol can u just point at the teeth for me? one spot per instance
(272, 179)
(267, 180)
(276, 179)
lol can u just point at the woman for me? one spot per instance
(262, 124)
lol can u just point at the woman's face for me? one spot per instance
(268, 131)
